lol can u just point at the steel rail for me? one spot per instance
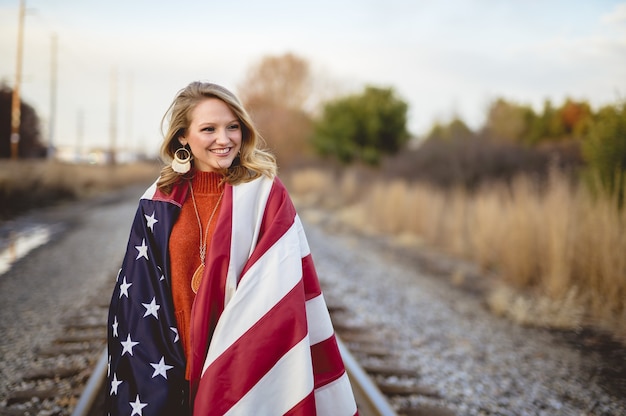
(370, 401)
(93, 387)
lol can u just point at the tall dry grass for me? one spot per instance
(27, 184)
(558, 251)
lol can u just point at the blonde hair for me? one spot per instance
(252, 162)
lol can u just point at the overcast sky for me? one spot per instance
(444, 58)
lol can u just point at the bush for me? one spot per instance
(362, 127)
(605, 150)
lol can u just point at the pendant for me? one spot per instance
(197, 278)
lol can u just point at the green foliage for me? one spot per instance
(514, 123)
(507, 121)
(456, 129)
(362, 126)
(605, 150)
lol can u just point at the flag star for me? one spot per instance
(114, 384)
(115, 324)
(137, 406)
(150, 221)
(151, 308)
(162, 276)
(124, 288)
(128, 345)
(161, 368)
(175, 330)
(142, 250)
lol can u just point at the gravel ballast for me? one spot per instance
(471, 361)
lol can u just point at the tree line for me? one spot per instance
(369, 127)
(304, 119)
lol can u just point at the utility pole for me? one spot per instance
(15, 103)
(53, 95)
(113, 116)
(129, 110)
(80, 127)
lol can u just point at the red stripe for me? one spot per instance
(253, 355)
(245, 362)
(327, 363)
(312, 286)
(209, 302)
(305, 408)
(177, 196)
(278, 217)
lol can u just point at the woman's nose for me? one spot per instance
(222, 137)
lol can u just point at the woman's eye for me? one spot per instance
(233, 127)
(209, 129)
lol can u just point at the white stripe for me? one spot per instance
(261, 288)
(318, 320)
(278, 391)
(249, 201)
(336, 398)
(304, 244)
(149, 194)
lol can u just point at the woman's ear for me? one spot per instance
(182, 141)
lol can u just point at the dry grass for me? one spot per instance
(26, 184)
(558, 251)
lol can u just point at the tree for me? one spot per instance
(506, 121)
(455, 130)
(276, 91)
(547, 126)
(362, 126)
(605, 149)
(575, 118)
(514, 123)
(30, 136)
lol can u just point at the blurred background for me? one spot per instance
(494, 131)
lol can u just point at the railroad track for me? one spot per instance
(67, 377)
(55, 379)
(382, 384)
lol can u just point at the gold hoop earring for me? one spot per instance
(181, 165)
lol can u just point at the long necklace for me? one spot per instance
(197, 276)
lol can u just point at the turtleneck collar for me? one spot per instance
(207, 182)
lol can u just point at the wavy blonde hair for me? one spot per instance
(253, 160)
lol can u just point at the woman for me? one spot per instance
(217, 307)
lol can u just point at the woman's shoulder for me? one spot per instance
(176, 196)
(264, 181)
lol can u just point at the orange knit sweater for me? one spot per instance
(184, 246)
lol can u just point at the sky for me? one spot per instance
(445, 58)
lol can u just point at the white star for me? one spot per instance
(137, 406)
(150, 221)
(115, 324)
(176, 332)
(128, 345)
(162, 276)
(124, 288)
(151, 308)
(114, 384)
(160, 368)
(142, 249)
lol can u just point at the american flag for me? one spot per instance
(262, 341)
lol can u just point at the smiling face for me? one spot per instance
(214, 135)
